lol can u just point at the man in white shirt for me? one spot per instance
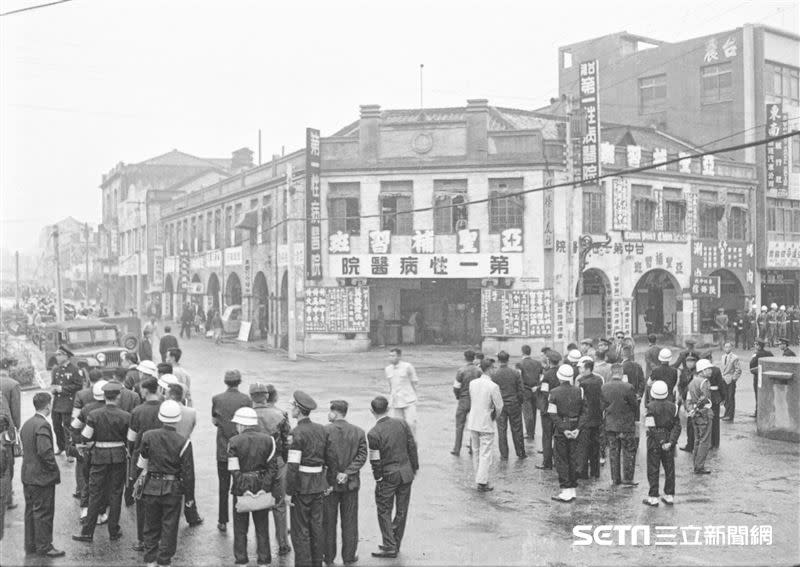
(402, 379)
(174, 358)
(486, 405)
(731, 372)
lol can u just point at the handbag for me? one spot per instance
(249, 502)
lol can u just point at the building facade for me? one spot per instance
(77, 256)
(728, 88)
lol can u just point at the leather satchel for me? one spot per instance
(249, 502)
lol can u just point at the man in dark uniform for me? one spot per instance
(548, 382)
(717, 389)
(143, 418)
(531, 371)
(305, 482)
(760, 353)
(10, 392)
(464, 376)
(223, 406)
(39, 476)
(66, 381)
(663, 429)
(621, 411)
(253, 467)
(107, 428)
(632, 372)
(394, 460)
(83, 463)
(592, 386)
(165, 460)
(567, 411)
(510, 382)
(82, 398)
(128, 399)
(666, 373)
(345, 454)
(679, 363)
(785, 350)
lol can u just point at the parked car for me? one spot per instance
(232, 319)
(129, 330)
(94, 344)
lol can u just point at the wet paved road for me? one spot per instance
(755, 482)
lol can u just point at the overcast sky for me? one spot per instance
(89, 83)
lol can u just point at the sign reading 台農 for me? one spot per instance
(705, 286)
(590, 142)
(337, 309)
(313, 206)
(777, 152)
(517, 312)
(426, 266)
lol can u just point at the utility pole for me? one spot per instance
(59, 298)
(290, 279)
(16, 290)
(573, 203)
(86, 228)
(138, 286)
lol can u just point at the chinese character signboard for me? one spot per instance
(380, 241)
(705, 286)
(422, 242)
(426, 266)
(157, 280)
(511, 240)
(248, 278)
(621, 199)
(337, 310)
(183, 275)
(313, 207)
(777, 152)
(783, 254)
(339, 243)
(590, 143)
(516, 313)
(548, 218)
(469, 241)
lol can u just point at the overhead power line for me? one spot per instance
(36, 7)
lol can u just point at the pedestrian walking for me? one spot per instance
(275, 422)
(305, 482)
(666, 373)
(731, 372)
(591, 385)
(568, 412)
(167, 341)
(548, 383)
(252, 464)
(174, 356)
(143, 418)
(185, 428)
(620, 404)
(187, 321)
(402, 380)
(217, 327)
(760, 352)
(486, 403)
(531, 371)
(464, 376)
(394, 461)
(698, 408)
(223, 407)
(345, 454)
(146, 346)
(165, 469)
(663, 429)
(509, 380)
(106, 429)
(65, 381)
(39, 475)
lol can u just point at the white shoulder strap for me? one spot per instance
(272, 453)
(185, 446)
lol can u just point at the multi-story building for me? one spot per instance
(131, 198)
(77, 248)
(717, 90)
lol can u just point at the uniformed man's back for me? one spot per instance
(395, 442)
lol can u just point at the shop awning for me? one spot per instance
(249, 220)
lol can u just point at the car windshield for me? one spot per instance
(91, 336)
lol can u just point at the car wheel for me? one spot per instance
(130, 342)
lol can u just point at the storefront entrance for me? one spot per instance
(656, 303)
(780, 287)
(731, 299)
(596, 290)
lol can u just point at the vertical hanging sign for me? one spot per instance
(313, 207)
(590, 142)
(777, 152)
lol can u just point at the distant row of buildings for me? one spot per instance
(455, 224)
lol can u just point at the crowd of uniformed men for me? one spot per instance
(131, 439)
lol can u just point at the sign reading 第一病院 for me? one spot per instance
(590, 142)
(313, 206)
(516, 312)
(426, 266)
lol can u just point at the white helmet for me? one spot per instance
(773, 306)
(169, 412)
(245, 416)
(166, 379)
(664, 355)
(573, 356)
(97, 390)
(659, 390)
(703, 364)
(565, 373)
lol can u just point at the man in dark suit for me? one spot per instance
(345, 454)
(40, 475)
(65, 381)
(531, 371)
(167, 342)
(393, 456)
(146, 347)
(223, 406)
(510, 382)
(682, 356)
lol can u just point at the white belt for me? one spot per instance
(310, 470)
(109, 444)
